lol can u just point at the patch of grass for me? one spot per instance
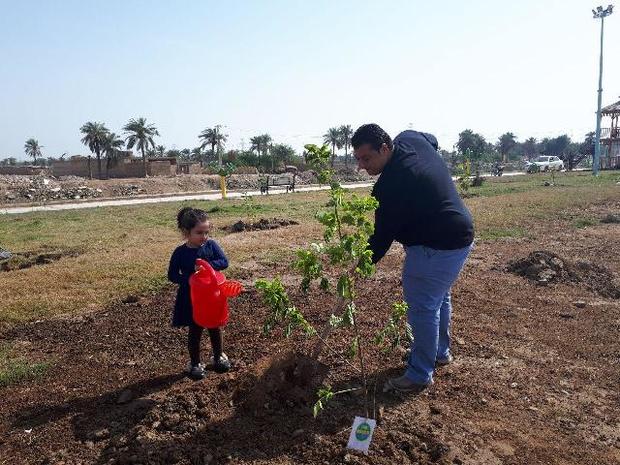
(492, 234)
(16, 369)
(581, 223)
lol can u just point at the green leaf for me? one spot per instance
(353, 348)
(316, 409)
(349, 314)
(324, 395)
(335, 321)
(345, 287)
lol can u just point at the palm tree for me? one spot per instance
(332, 136)
(185, 154)
(346, 132)
(112, 144)
(261, 144)
(215, 138)
(505, 144)
(140, 134)
(196, 154)
(530, 147)
(94, 137)
(256, 142)
(33, 149)
(160, 150)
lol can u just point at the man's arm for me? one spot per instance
(383, 236)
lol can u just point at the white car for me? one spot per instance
(546, 163)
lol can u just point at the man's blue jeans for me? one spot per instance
(428, 275)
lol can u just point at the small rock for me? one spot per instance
(483, 400)
(172, 420)
(347, 458)
(125, 397)
(514, 385)
(579, 304)
(101, 434)
(5, 254)
(567, 316)
(533, 409)
(89, 444)
(459, 341)
(298, 432)
(203, 413)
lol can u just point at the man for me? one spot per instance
(419, 207)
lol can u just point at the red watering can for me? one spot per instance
(209, 292)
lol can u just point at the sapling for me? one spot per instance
(224, 172)
(334, 265)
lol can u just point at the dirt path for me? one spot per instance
(535, 379)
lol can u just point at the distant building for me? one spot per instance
(610, 138)
(125, 166)
(23, 169)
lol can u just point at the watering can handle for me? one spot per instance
(206, 267)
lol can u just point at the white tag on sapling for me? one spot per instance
(361, 434)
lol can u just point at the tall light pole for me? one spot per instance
(602, 14)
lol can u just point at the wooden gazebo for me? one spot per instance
(610, 138)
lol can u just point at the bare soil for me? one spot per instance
(260, 225)
(544, 267)
(23, 260)
(534, 381)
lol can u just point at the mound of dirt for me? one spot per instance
(260, 225)
(20, 261)
(287, 380)
(545, 267)
(598, 279)
(611, 219)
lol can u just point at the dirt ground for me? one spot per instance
(534, 381)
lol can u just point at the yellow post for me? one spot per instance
(223, 186)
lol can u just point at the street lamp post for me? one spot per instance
(602, 14)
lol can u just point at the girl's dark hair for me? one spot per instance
(189, 217)
(371, 134)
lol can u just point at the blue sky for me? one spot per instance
(295, 68)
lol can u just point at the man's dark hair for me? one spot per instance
(371, 134)
(189, 217)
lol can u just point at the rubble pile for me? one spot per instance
(128, 190)
(42, 189)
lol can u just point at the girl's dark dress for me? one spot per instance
(182, 266)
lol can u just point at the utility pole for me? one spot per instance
(601, 14)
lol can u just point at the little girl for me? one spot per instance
(194, 225)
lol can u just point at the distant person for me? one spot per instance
(419, 207)
(194, 225)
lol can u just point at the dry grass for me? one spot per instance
(125, 250)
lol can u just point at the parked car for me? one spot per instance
(545, 163)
